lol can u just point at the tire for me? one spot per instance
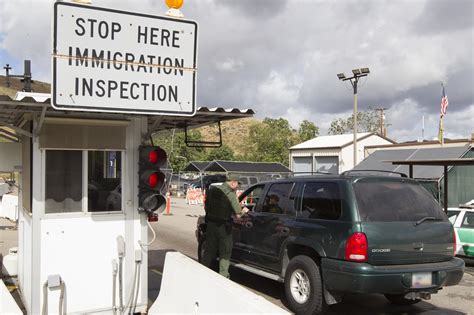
(399, 299)
(303, 286)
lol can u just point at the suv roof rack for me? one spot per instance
(370, 171)
(311, 173)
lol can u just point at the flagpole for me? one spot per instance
(444, 107)
(440, 131)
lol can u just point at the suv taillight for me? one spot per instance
(356, 248)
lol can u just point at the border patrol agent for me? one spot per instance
(221, 203)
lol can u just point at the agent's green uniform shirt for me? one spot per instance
(221, 203)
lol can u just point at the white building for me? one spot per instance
(332, 154)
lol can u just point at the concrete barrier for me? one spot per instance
(188, 287)
(7, 303)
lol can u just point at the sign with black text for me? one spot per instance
(114, 61)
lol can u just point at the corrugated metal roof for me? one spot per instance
(12, 113)
(246, 167)
(336, 141)
(39, 97)
(379, 160)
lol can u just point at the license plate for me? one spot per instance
(421, 279)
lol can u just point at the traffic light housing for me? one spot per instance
(152, 180)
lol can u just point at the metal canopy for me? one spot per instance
(196, 166)
(378, 160)
(14, 113)
(437, 162)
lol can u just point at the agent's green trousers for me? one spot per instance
(218, 241)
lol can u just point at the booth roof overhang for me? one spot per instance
(15, 113)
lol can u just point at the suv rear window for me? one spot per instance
(392, 201)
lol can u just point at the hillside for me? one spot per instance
(17, 85)
(234, 133)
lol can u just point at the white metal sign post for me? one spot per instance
(115, 61)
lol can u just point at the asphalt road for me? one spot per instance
(175, 232)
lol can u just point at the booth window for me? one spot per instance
(64, 192)
(104, 192)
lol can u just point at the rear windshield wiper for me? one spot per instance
(426, 219)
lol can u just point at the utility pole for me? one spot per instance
(7, 77)
(383, 133)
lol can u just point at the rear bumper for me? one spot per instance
(344, 276)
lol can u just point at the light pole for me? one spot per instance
(357, 74)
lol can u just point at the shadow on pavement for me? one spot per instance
(275, 290)
(358, 304)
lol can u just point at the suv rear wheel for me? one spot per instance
(303, 286)
(399, 299)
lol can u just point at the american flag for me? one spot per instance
(444, 103)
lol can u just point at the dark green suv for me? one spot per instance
(324, 236)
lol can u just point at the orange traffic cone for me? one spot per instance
(168, 204)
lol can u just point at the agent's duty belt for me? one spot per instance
(217, 220)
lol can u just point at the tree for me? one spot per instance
(270, 141)
(179, 155)
(307, 131)
(223, 153)
(367, 121)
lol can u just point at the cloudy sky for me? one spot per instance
(281, 57)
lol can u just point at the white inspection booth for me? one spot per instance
(79, 231)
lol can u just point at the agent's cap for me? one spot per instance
(233, 177)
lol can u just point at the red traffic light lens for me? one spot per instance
(153, 180)
(157, 156)
(153, 156)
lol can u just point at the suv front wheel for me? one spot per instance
(303, 286)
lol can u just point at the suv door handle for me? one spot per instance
(418, 246)
(285, 230)
(248, 225)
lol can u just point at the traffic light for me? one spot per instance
(152, 181)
